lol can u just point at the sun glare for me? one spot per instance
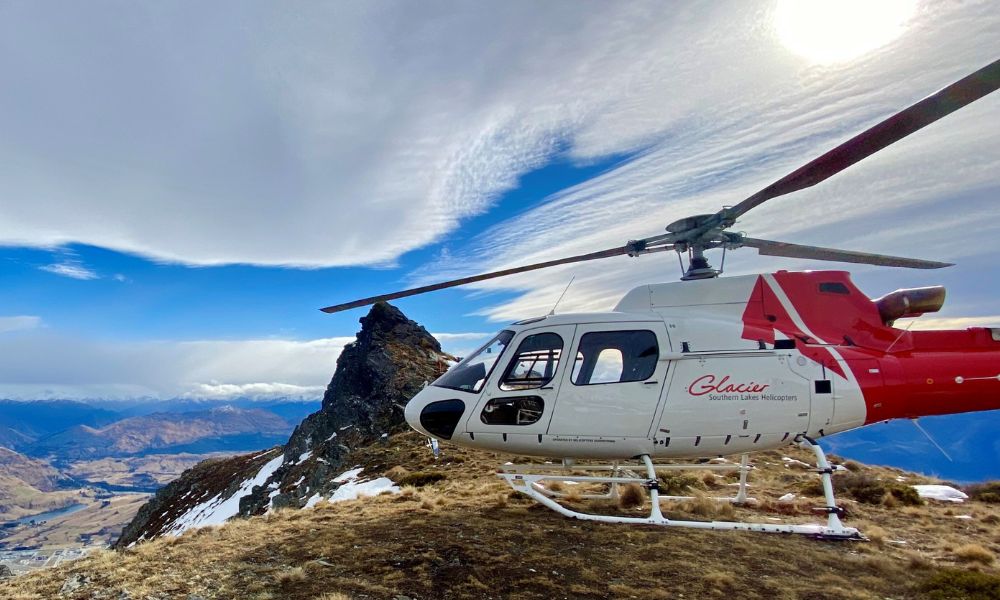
(831, 31)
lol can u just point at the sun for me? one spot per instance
(832, 31)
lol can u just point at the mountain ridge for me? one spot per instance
(391, 359)
(156, 432)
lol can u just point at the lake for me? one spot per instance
(49, 515)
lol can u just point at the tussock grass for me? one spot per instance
(631, 495)
(974, 553)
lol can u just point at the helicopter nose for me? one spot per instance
(412, 413)
(434, 416)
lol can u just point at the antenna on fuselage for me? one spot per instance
(561, 296)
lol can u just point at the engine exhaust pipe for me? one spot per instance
(911, 302)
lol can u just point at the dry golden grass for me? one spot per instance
(631, 496)
(468, 536)
(96, 522)
(974, 553)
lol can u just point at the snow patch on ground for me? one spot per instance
(218, 510)
(353, 486)
(348, 475)
(789, 461)
(352, 490)
(270, 499)
(944, 493)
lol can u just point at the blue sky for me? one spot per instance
(182, 186)
(123, 297)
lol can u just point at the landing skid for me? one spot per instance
(521, 479)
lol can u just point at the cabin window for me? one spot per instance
(615, 357)
(517, 410)
(470, 374)
(534, 364)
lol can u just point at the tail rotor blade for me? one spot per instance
(620, 250)
(891, 130)
(772, 248)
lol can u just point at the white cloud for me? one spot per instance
(462, 344)
(255, 390)
(305, 138)
(71, 269)
(723, 117)
(446, 338)
(926, 322)
(19, 323)
(44, 364)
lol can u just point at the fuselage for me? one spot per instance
(704, 368)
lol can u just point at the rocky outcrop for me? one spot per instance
(391, 360)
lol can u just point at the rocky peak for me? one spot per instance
(376, 375)
(391, 360)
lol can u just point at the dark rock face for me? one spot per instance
(376, 376)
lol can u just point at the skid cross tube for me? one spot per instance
(522, 479)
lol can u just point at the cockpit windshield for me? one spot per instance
(471, 374)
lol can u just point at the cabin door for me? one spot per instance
(520, 396)
(613, 384)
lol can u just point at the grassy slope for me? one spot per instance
(98, 522)
(468, 537)
(163, 468)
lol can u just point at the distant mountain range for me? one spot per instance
(167, 433)
(69, 430)
(23, 423)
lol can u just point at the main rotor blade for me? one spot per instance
(923, 113)
(620, 250)
(771, 248)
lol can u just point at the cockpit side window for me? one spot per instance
(471, 374)
(534, 364)
(615, 357)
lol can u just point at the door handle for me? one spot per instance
(547, 387)
(650, 382)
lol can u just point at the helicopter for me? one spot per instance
(710, 367)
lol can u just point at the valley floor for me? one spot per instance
(467, 536)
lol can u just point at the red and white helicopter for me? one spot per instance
(708, 367)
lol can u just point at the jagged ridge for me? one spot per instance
(392, 358)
